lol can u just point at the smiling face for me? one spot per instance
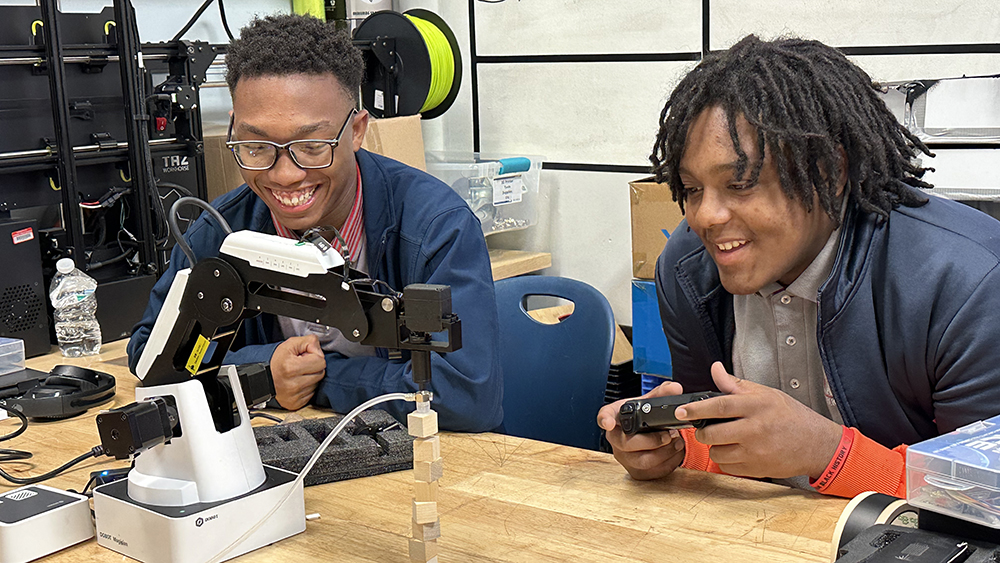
(755, 234)
(289, 108)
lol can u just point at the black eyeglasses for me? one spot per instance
(306, 153)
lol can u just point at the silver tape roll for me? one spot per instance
(866, 510)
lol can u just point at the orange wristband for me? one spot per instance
(839, 458)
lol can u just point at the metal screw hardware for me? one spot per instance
(356, 333)
(387, 304)
(201, 295)
(227, 305)
(503, 224)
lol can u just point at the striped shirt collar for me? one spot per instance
(353, 230)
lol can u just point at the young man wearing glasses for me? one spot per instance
(296, 134)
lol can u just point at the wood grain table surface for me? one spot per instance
(502, 499)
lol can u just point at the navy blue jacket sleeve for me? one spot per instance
(966, 355)
(467, 384)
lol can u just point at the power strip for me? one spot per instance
(37, 520)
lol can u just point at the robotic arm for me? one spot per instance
(208, 302)
(189, 407)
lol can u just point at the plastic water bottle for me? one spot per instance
(75, 305)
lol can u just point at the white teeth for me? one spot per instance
(731, 245)
(293, 199)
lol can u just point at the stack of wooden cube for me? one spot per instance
(427, 470)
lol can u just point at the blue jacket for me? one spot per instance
(418, 231)
(906, 325)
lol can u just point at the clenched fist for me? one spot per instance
(297, 367)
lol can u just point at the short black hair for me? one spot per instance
(805, 101)
(282, 45)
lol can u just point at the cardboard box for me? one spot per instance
(654, 216)
(399, 138)
(222, 174)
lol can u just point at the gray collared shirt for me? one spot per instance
(775, 342)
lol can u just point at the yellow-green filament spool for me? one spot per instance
(442, 62)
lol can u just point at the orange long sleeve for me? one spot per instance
(696, 453)
(867, 466)
(860, 464)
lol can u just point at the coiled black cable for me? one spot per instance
(17, 455)
(176, 231)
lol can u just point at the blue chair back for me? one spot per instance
(554, 375)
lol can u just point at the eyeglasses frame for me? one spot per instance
(334, 143)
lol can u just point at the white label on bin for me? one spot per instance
(507, 189)
(379, 100)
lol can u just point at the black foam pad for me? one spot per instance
(371, 444)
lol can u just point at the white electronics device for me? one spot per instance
(189, 499)
(37, 520)
(198, 486)
(186, 501)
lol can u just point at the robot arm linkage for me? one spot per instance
(258, 273)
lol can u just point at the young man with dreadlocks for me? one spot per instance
(844, 313)
(294, 82)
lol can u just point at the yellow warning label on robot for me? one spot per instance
(194, 360)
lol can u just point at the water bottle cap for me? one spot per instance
(65, 265)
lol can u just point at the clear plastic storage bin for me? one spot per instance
(502, 191)
(11, 355)
(958, 474)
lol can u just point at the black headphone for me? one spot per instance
(66, 391)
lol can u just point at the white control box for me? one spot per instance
(37, 520)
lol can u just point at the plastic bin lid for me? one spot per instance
(970, 453)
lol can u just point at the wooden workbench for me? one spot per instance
(509, 263)
(503, 499)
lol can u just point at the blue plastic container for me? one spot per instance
(650, 353)
(650, 382)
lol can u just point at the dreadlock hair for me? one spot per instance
(805, 100)
(281, 45)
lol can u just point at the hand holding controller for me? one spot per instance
(657, 413)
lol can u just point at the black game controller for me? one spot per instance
(657, 414)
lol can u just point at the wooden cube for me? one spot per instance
(425, 512)
(428, 471)
(422, 424)
(427, 532)
(426, 449)
(425, 491)
(423, 550)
